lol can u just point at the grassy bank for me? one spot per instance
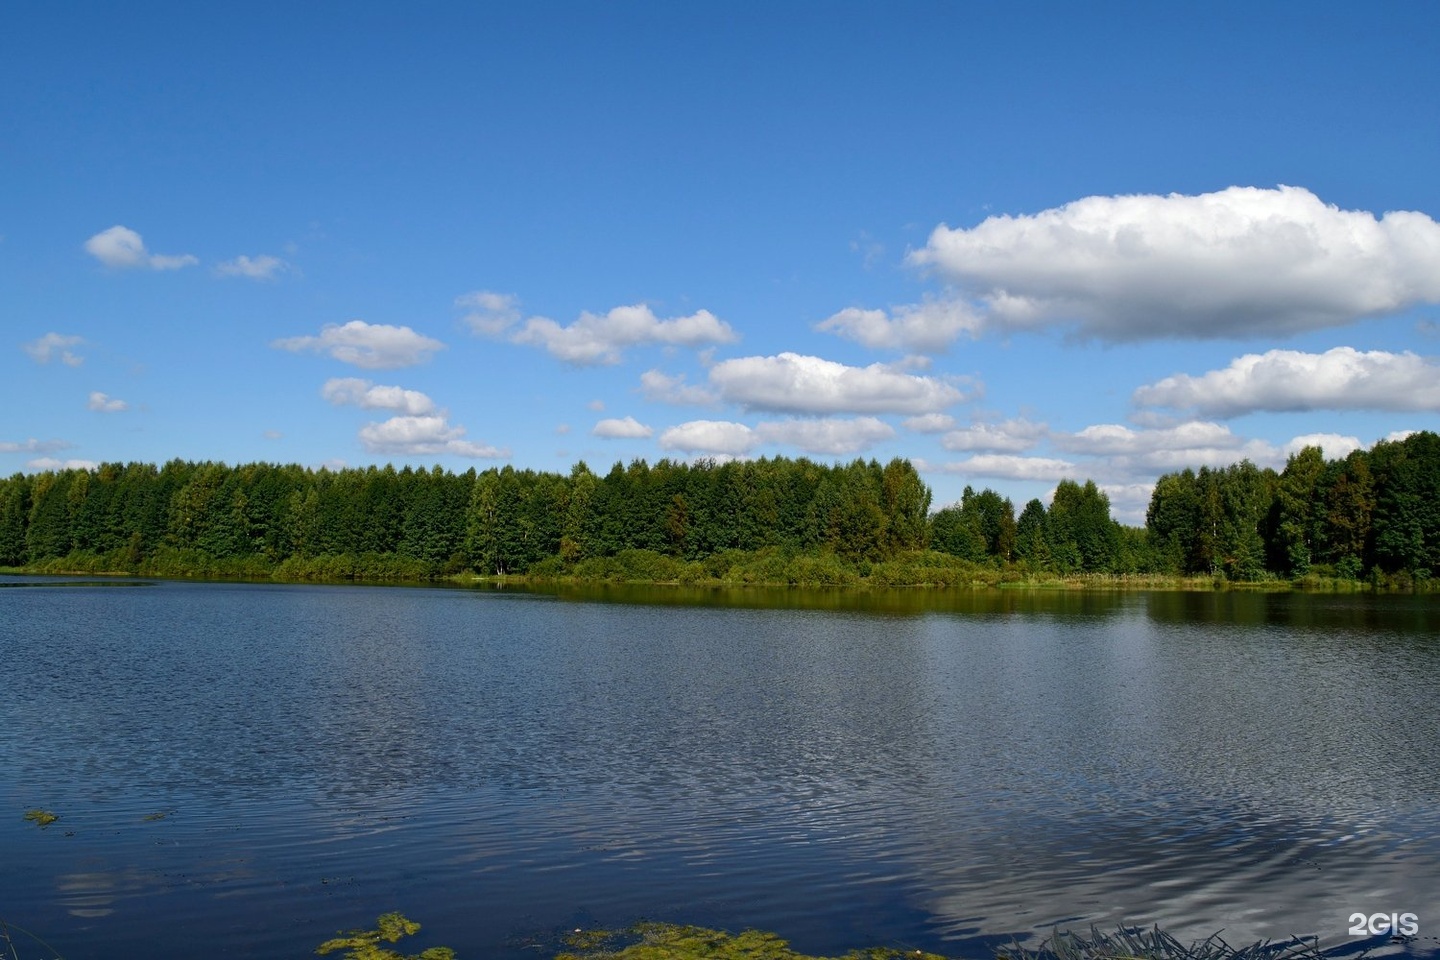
(770, 567)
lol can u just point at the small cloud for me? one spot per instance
(489, 314)
(929, 423)
(660, 388)
(602, 338)
(121, 248)
(1012, 436)
(626, 429)
(54, 345)
(1333, 445)
(352, 391)
(930, 326)
(596, 405)
(34, 446)
(1004, 466)
(103, 403)
(263, 267)
(827, 436)
(424, 436)
(562, 429)
(272, 434)
(50, 463)
(710, 436)
(1288, 380)
(795, 383)
(373, 346)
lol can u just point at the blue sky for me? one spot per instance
(1012, 242)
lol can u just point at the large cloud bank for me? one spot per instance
(1242, 262)
(1287, 381)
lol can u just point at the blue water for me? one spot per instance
(243, 769)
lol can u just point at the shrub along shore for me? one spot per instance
(1370, 520)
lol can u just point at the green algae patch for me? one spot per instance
(668, 941)
(42, 818)
(389, 928)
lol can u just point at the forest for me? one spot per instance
(1371, 516)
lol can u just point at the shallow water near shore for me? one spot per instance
(247, 768)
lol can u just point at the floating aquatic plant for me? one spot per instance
(669, 941)
(41, 817)
(389, 928)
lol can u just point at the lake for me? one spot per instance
(241, 770)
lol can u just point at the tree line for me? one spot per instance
(1373, 512)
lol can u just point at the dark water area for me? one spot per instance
(241, 770)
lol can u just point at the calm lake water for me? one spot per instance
(243, 769)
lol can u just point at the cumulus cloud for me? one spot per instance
(54, 345)
(626, 429)
(710, 436)
(794, 383)
(1241, 262)
(823, 437)
(103, 403)
(423, 436)
(930, 326)
(50, 463)
(929, 423)
(1012, 436)
(373, 346)
(488, 313)
(1004, 466)
(1334, 445)
(661, 388)
(1191, 444)
(1287, 380)
(601, 339)
(263, 267)
(352, 391)
(122, 249)
(34, 446)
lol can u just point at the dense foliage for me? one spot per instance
(1372, 514)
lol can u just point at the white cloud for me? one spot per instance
(1012, 436)
(122, 248)
(1004, 466)
(352, 391)
(1240, 262)
(489, 314)
(34, 446)
(597, 339)
(374, 346)
(929, 423)
(1395, 436)
(263, 267)
(1129, 502)
(660, 388)
(822, 437)
(826, 436)
(103, 403)
(627, 429)
(1287, 380)
(929, 326)
(273, 435)
(52, 344)
(710, 436)
(794, 383)
(1335, 446)
(50, 463)
(423, 436)
(596, 405)
(1194, 443)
